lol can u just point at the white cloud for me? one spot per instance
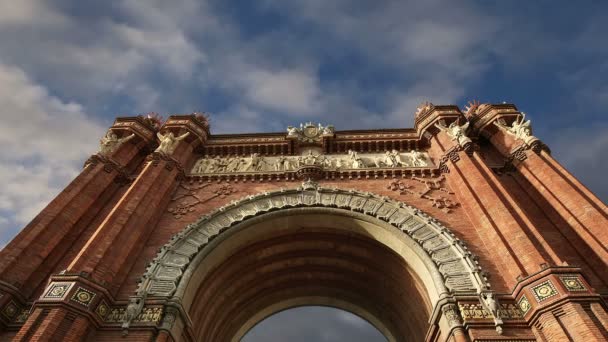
(293, 91)
(44, 142)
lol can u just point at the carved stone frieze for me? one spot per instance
(256, 163)
(463, 275)
(477, 311)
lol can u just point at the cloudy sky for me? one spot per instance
(68, 67)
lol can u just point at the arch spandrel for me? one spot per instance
(452, 267)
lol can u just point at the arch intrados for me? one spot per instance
(358, 226)
(218, 249)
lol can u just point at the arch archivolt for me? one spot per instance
(435, 255)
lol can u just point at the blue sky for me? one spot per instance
(67, 68)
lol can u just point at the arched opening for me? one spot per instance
(380, 259)
(314, 323)
(309, 256)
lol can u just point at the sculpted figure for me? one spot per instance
(356, 161)
(456, 132)
(233, 164)
(279, 164)
(418, 159)
(292, 131)
(212, 164)
(339, 163)
(255, 163)
(111, 142)
(168, 142)
(310, 158)
(491, 304)
(133, 309)
(328, 130)
(520, 128)
(201, 166)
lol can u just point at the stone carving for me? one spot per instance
(491, 305)
(146, 315)
(521, 129)
(310, 132)
(168, 142)
(450, 311)
(457, 133)
(476, 311)
(352, 160)
(136, 304)
(432, 185)
(462, 275)
(111, 142)
(472, 108)
(424, 106)
(418, 158)
(187, 197)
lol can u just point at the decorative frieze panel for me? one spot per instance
(256, 163)
(116, 315)
(459, 269)
(476, 311)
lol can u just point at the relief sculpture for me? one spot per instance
(352, 160)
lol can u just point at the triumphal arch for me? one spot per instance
(463, 228)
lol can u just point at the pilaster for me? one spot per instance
(494, 215)
(31, 257)
(108, 255)
(579, 208)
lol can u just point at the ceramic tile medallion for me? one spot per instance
(83, 296)
(572, 283)
(524, 305)
(102, 309)
(57, 290)
(544, 290)
(10, 310)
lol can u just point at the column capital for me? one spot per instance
(197, 124)
(428, 114)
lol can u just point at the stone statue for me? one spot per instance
(328, 130)
(292, 131)
(491, 305)
(111, 142)
(168, 142)
(418, 159)
(456, 132)
(133, 309)
(520, 128)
